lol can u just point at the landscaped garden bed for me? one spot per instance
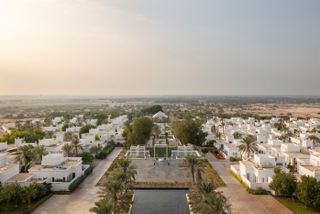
(23, 200)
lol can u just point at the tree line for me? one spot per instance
(307, 190)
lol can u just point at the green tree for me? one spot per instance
(25, 157)
(11, 193)
(153, 109)
(189, 131)
(112, 189)
(206, 187)
(284, 184)
(86, 128)
(315, 140)
(67, 136)
(139, 131)
(129, 172)
(237, 135)
(195, 165)
(217, 203)
(87, 157)
(248, 146)
(307, 192)
(31, 192)
(64, 127)
(76, 147)
(39, 151)
(67, 149)
(103, 206)
(95, 150)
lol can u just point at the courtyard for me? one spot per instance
(169, 171)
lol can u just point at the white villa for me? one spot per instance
(7, 169)
(297, 151)
(257, 173)
(58, 170)
(3, 146)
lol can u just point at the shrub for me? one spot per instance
(284, 184)
(87, 157)
(79, 180)
(204, 150)
(106, 151)
(258, 191)
(308, 191)
(235, 159)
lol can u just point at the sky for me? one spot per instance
(153, 47)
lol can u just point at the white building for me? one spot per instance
(3, 146)
(58, 170)
(257, 173)
(7, 170)
(47, 142)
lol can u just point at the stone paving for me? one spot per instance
(161, 171)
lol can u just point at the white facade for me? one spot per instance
(3, 146)
(256, 174)
(47, 142)
(7, 170)
(58, 170)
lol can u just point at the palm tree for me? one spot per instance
(67, 149)
(217, 203)
(112, 189)
(315, 140)
(248, 146)
(103, 206)
(206, 187)
(25, 157)
(95, 149)
(31, 192)
(219, 135)
(129, 172)
(76, 147)
(39, 152)
(67, 136)
(237, 135)
(194, 164)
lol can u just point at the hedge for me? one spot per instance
(79, 180)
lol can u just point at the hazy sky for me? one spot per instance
(149, 47)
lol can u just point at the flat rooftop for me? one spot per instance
(312, 168)
(20, 177)
(6, 167)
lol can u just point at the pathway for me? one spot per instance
(82, 199)
(242, 202)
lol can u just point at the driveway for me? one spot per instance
(241, 201)
(82, 199)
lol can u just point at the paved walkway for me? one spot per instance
(81, 200)
(241, 201)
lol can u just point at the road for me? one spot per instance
(242, 202)
(82, 199)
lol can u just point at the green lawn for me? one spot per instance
(296, 207)
(161, 152)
